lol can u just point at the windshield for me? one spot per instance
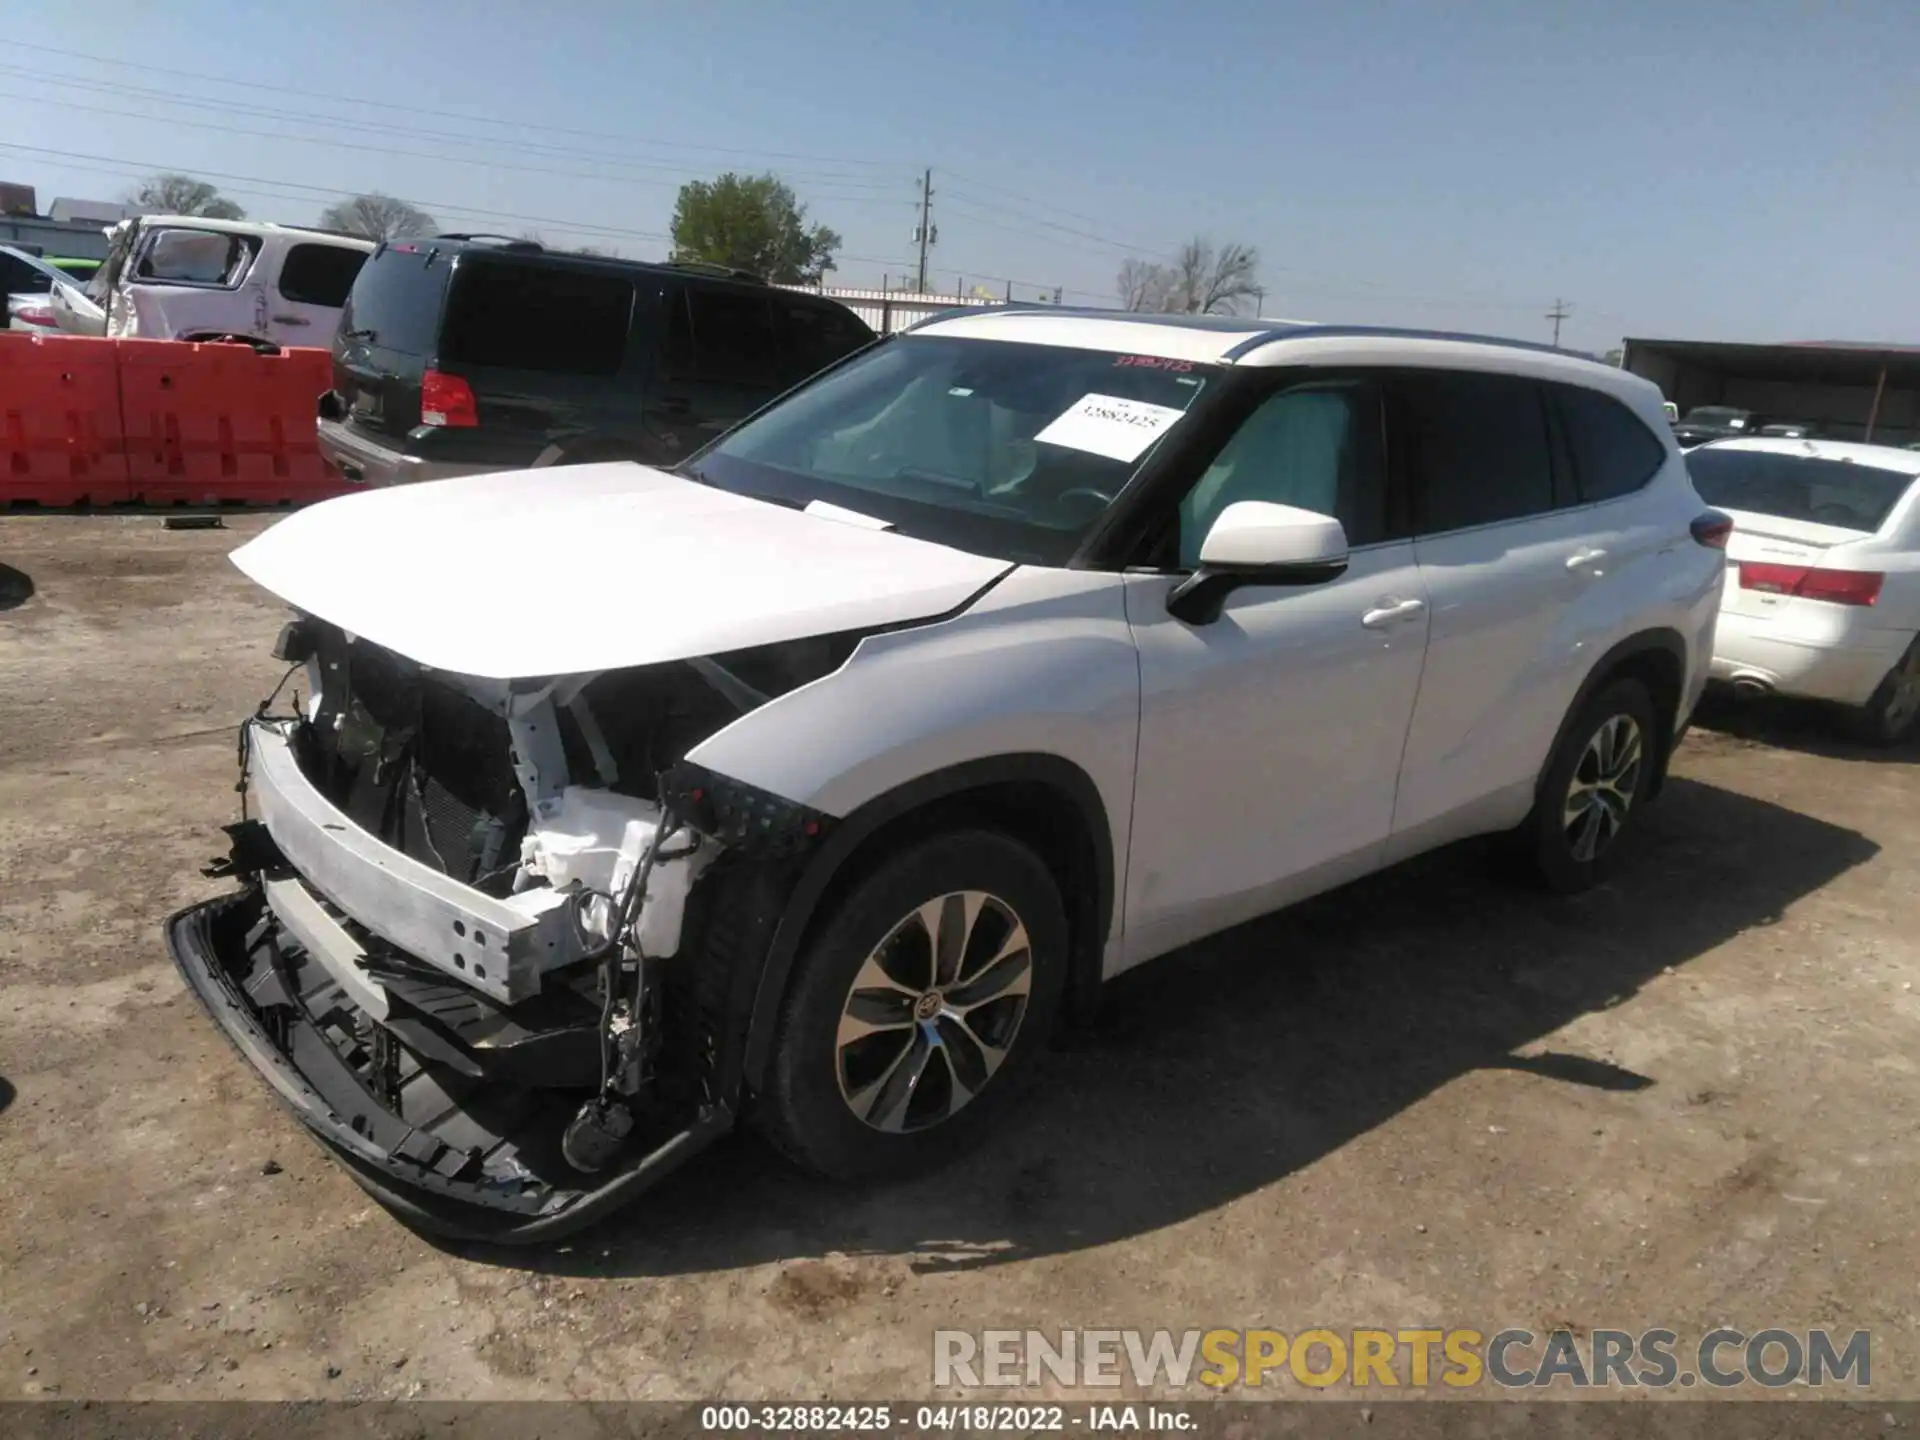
(1002, 449)
(1797, 487)
(1716, 415)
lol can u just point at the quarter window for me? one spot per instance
(315, 274)
(1314, 446)
(1479, 446)
(1613, 453)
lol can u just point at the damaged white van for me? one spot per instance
(816, 779)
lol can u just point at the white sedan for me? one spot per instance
(1823, 580)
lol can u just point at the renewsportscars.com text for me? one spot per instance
(1411, 1358)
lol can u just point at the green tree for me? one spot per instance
(173, 194)
(751, 222)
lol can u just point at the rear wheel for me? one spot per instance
(1893, 712)
(1593, 789)
(920, 1010)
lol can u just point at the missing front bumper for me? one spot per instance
(462, 1154)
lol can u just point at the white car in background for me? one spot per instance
(1000, 657)
(1823, 575)
(29, 284)
(181, 277)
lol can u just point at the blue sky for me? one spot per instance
(1707, 168)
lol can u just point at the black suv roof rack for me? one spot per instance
(707, 267)
(505, 242)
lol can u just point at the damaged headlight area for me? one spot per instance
(475, 944)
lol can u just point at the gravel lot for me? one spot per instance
(1428, 1100)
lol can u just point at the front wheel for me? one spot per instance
(1894, 710)
(920, 1009)
(1593, 788)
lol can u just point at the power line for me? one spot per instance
(513, 122)
(254, 112)
(275, 188)
(374, 149)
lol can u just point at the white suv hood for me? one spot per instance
(594, 567)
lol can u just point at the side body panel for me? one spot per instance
(1522, 612)
(1044, 663)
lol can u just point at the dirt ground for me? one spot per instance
(1429, 1100)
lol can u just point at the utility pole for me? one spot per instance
(1560, 311)
(925, 234)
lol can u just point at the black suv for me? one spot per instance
(463, 354)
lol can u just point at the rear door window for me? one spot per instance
(178, 255)
(814, 336)
(537, 317)
(1479, 447)
(1613, 453)
(315, 274)
(732, 338)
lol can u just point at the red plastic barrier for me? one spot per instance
(60, 426)
(223, 424)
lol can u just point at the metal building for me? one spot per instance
(1845, 390)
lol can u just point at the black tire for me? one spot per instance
(801, 1108)
(1552, 846)
(1890, 716)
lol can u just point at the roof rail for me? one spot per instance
(505, 242)
(721, 272)
(1391, 332)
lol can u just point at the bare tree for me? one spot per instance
(174, 194)
(1144, 286)
(1210, 281)
(377, 217)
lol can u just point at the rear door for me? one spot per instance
(387, 335)
(1505, 551)
(186, 281)
(720, 360)
(814, 334)
(307, 290)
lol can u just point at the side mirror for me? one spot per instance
(1258, 543)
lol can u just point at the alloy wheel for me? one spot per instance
(1603, 787)
(1903, 703)
(933, 1011)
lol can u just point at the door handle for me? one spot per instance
(1393, 610)
(290, 320)
(1581, 559)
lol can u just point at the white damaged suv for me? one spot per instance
(815, 779)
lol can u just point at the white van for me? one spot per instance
(182, 277)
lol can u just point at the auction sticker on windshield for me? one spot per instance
(1109, 425)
